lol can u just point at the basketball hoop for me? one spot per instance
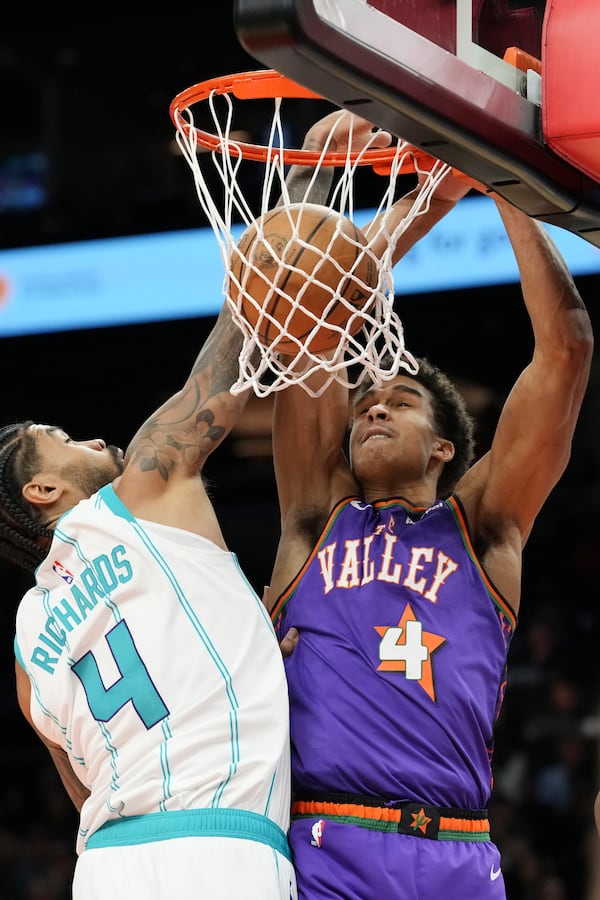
(358, 341)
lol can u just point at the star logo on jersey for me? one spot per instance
(420, 821)
(407, 647)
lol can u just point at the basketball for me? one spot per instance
(297, 270)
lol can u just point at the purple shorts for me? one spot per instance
(335, 860)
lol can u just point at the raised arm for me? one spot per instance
(449, 190)
(333, 131)
(175, 442)
(184, 431)
(341, 128)
(168, 452)
(311, 469)
(532, 443)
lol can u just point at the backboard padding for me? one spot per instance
(360, 58)
(570, 111)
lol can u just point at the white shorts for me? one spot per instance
(203, 868)
(212, 854)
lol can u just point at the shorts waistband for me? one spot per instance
(162, 826)
(438, 823)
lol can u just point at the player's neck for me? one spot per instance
(418, 493)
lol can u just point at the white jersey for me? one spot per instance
(154, 664)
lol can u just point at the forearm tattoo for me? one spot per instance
(193, 422)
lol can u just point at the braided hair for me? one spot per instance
(24, 539)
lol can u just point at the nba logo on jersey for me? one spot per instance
(64, 573)
(317, 833)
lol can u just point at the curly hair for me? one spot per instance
(451, 419)
(24, 539)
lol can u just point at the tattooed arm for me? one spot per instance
(163, 461)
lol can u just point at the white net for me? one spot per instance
(287, 336)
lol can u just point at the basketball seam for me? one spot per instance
(309, 238)
(276, 321)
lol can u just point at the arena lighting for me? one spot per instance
(176, 275)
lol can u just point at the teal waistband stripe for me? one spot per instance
(233, 823)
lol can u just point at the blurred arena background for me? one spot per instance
(87, 152)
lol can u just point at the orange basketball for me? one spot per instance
(275, 258)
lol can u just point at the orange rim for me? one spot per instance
(260, 85)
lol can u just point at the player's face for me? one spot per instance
(393, 431)
(87, 465)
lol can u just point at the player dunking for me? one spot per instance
(146, 663)
(396, 590)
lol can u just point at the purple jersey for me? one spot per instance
(400, 671)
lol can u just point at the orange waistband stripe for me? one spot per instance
(346, 810)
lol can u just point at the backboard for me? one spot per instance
(465, 80)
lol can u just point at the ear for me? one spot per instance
(443, 450)
(44, 490)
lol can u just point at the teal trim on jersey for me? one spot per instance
(18, 656)
(108, 496)
(180, 823)
(114, 503)
(200, 630)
